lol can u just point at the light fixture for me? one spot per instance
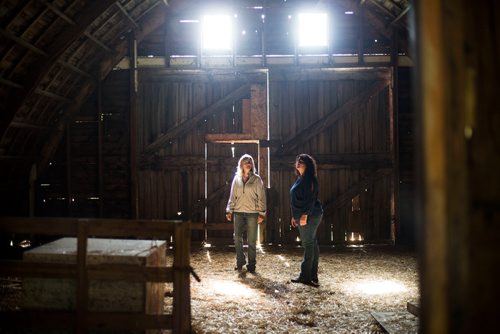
(313, 30)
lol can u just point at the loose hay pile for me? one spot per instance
(353, 284)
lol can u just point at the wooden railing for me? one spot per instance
(81, 319)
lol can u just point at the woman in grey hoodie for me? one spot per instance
(247, 205)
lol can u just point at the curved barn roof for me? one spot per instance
(53, 53)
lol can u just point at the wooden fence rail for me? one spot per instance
(82, 319)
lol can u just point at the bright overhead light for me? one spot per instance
(313, 29)
(216, 32)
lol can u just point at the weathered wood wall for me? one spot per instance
(81, 181)
(351, 147)
(353, 150)
(342, 118)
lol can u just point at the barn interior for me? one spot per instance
(120, 119)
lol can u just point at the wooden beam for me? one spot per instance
(52, 95)
(23, 42)
(97, 42)
(98, 227)
(28, 125)
(10, 83)
(127, 16)
(413, 308)
(202, 75)
(126, 272)
(323, 74)
(37, 72)
(191, 123)
(322, 124)
(355, 189)
(402, 14)
(340, 160)
(57, 12)
(66, 319)
(324, 161)
(16, 158)
(74, 68)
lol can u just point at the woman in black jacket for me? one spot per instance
(306, 216)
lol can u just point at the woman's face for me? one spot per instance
(301, 167)
(246, 165)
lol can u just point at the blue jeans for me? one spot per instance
(309, 265)
(245, 222)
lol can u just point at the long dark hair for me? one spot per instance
(311, 171)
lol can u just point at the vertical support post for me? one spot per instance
(134, 200)
(167, 40)
(394, 146)
(263, 37)
(259, 106)
(69, 189)
(361, 36)
(100, 135)
(32, 192)
(185, 194)
(182, 293)
(82, 290)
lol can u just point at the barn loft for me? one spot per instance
(125, 119)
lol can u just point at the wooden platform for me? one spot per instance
(51, 293)
(397, 322)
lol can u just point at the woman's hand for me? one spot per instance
(294, 222)
(229, 216)
(260, 219)
(303, 220)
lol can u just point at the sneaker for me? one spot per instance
(251, 270)
(238, 268)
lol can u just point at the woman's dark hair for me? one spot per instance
(311, 167)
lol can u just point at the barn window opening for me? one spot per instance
(216, 32)
(313, 30)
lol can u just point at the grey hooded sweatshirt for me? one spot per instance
(247, 197)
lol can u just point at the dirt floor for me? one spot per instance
(354, 283)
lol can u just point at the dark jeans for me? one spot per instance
(245, 222)
(309, 266)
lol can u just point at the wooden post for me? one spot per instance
(394, 137)
(82, 290)
(134, 200)
(460, 160)
(100, 137)
(361, 36)
(182, 294)
(69, 190)
(439, 158)
(259, 128)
